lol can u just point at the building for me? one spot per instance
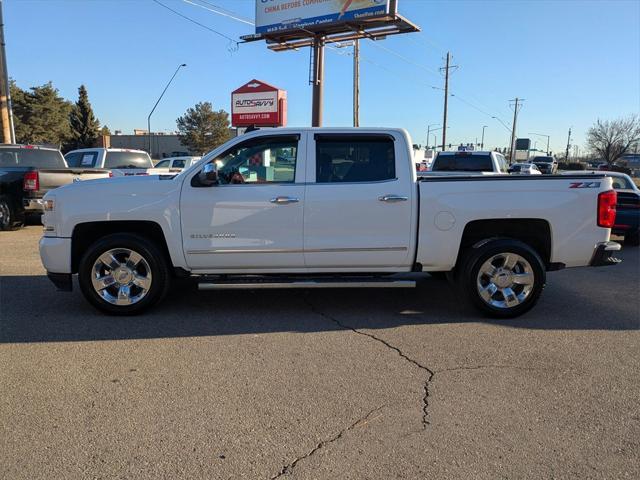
(162, 145)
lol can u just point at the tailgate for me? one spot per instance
(49, 179)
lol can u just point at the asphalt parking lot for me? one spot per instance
(361, 384)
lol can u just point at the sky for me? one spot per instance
(573, 61)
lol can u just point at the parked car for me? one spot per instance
(546, 164)
(466, 162)
(524, 169)
(27, 173)
(120, 161)
(627, 222)
(175, 164)
(349, 212)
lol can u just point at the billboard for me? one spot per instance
(260, 104)
(280, 15)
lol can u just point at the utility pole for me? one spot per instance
(482, 141)
(6, 113)
(356, 83)
(446, 98)
(317, 81)
(516, 108)
(568, 145)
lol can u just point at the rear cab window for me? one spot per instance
(462, 162)
(126, 160)
(31, 157)
(81, 159)
(354, 158)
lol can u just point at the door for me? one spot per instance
(252, 219)
(358, 205)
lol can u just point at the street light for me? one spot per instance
(482, 141)
(543, 135)
(429, 130)
(160, 98)
(503, 124)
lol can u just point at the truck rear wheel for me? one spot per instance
(123, 274)
(502, 278)
(8, 220)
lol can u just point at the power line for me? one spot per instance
(218, 11)
(197, 23)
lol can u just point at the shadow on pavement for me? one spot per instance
(32, 311)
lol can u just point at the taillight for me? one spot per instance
(31, 181)
(607, 208)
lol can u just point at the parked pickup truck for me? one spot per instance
(466, 163)
(317, 208)
(120, 161)
(27, 172)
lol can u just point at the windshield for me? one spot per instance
(31, 157)
(543, 159)
(123, 160)
(455, 162)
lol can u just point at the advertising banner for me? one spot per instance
(280, 15)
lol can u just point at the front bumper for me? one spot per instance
(55, 254)
(604, 254)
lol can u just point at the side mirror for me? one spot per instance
(208, 176)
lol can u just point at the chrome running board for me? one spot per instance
(316, 283)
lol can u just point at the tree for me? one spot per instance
(611, 139)
(105, 131)
(40, 115)
(201, 129)
(84, 125)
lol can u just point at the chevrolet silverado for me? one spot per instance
(323, 208)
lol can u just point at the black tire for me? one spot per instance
(469, 282)
(632, 239)
(160, 277)
(8, 217)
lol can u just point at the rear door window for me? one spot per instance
(354, 158)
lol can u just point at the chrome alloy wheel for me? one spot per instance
(121, 276)
(5, 214)
(505, 280)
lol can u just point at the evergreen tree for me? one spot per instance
(85, 127)
(105, 131)
(40, 115)
(201, 129)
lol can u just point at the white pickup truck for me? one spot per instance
(317, 208)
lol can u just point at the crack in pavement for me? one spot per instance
(430, 373)
(482, 367)
(287, 469)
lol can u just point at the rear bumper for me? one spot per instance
(33, 205)
(604, 254)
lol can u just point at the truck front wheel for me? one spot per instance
(123, 274)
(503, 278)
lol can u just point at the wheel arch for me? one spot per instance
(85, 234)
(532, 231)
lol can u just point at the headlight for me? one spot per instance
(49, 205)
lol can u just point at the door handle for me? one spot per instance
(393, 198)
(284, 200)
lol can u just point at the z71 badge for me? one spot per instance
(584, 185)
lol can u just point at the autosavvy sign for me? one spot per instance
(258, 103)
